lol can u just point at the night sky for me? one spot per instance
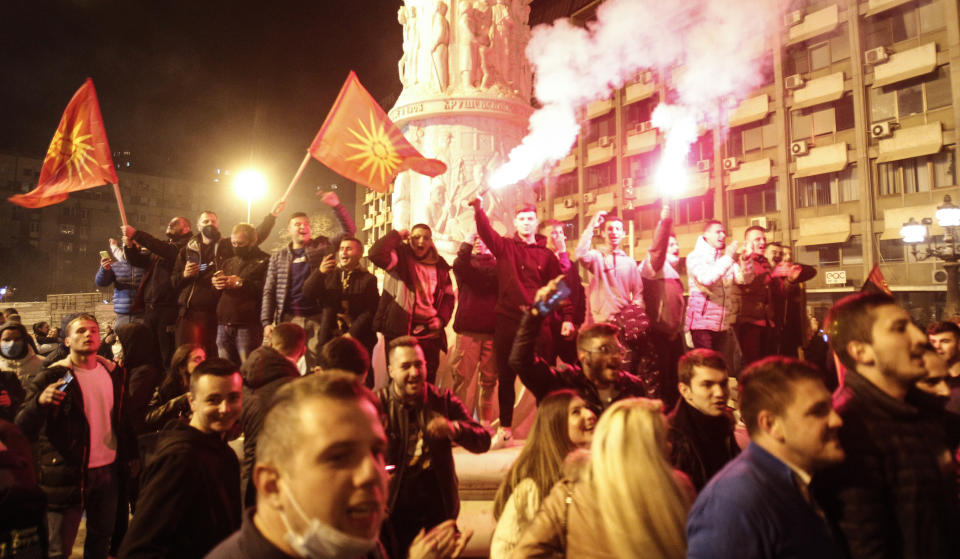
(191, 85)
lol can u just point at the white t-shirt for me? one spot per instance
(97, 389)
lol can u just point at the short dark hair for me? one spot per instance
(281, 424)
(774, 244)
(596, 330)
(87, 317)
(349, 238)
(943, 327)
(402, 341)
(768, 385)
(753, 228)
(211, 212)
(550, 224)
(215, 366)
(287, 338)
(422, 226)
(699, 358)
(611, 217)
(526, 207)
(295, 215)
(711, 223)
(851, 319)
(346, 354)
(10, 310)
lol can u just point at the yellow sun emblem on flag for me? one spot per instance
(376, 150)
(71, 151)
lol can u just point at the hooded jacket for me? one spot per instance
(395, 312)
(713, 278)
(477, 284)
(264, 372)
(522, 268)
(190, 498)
(125, 279)
(27, 363)
(61, 434)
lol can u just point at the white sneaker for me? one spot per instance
(502, 439)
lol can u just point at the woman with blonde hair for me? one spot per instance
(626, 502)
(563, 424)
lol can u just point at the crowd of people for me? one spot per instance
(666, 425)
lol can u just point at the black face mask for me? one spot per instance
(211, 232)
(243, 252)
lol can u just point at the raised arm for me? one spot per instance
(583, 246)
(491, 238)
(383, 253)
(652, 265)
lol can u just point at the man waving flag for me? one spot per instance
(359, 142)
(78, 157)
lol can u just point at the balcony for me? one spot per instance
(821, 160)
(915, 141)
(820, 90)
(814, 24)
(905, 65)
(750, 110)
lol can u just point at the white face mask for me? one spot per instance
(117, 252)
(321, 541)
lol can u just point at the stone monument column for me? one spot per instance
(465, 101)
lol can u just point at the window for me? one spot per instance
(848, 253)
(919, 174)
(911, 97)
(601, 126)
(65, 246)
(810, 122)
(67, 229)
(641, 111)
(642, 166)
(567, 184)
(701, 149)
(891, 250)
(824, 255)
(756, 200)
(851, 252)
(649, 216)
(831, 188)
(751, 138)
(843, 109)
(693, 210)
(600, 175)
(820, 56)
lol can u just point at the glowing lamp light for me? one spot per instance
(250, 185)
(948, 215)
(913, 232)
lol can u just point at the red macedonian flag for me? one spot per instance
(360, 142)
(78, 157)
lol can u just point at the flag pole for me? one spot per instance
(123, 212)
(296, 177)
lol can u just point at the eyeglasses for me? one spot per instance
(607, 349)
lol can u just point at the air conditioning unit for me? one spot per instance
(793, 18)
(703, 166)
(794, 82)
(605, 141)
(589, 197)
(645, 126)
(569, 203)
(799, 148)
(938, 276)
(730, 163)
(882, 129)
(629, 193)
(876, 56)
(628, 182)
(759, 222)
(647, 77)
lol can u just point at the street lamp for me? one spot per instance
(250, 185)
(914, 234)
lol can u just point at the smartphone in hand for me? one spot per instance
(546, 307)
(67, 379)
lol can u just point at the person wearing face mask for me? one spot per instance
(241, 287)
(125, 278)
(599, 379)
(417, 297)
(18, 352)
(562, 425)
(321, 479)
(663, 298)
(197, 263)
(347, 295)
(157, 260)
(190, 495)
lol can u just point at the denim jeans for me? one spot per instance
(101, 495)
(236, 342)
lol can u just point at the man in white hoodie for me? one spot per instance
(714, 272)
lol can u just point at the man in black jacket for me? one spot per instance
(268, 368)
(524, 265)
(347, 295)
(701, 426)
(190, 497)
(241, 287)
(475, 268)
(159, 297)
(74, 414)
(600, 381)
(895, 494)
(422, 422)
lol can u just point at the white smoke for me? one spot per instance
(717, 44)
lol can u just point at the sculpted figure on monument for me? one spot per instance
(438, 207)
(484, 24)
(440, 52)
(502, 41)
(469, 45)
(408, 65)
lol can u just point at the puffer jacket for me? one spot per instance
(197, 293)
(714, 293)
(126, 281)
(756, 297)
(61, 434)
(27, 363)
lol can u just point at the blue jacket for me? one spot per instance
(753, 508)
(126, 280)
